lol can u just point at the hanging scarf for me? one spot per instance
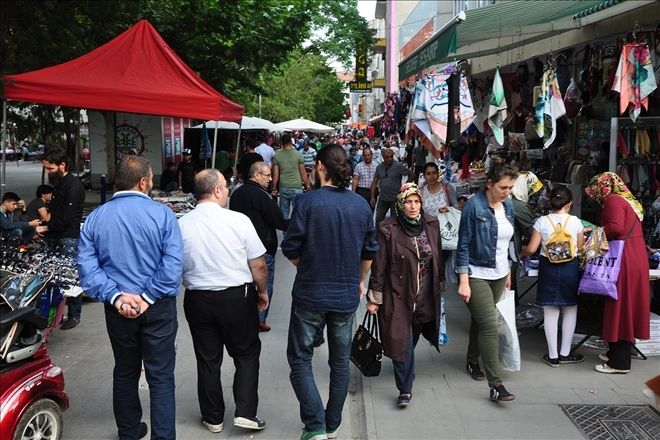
(634, 79)
(412, 226)
(497, 112)
(526, 185)
(604, 184)
(549, 107)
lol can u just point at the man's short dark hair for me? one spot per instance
(44, 189)
(286, 139)
(130, 171)
(57, 156)
(206, 181)
(11, 196)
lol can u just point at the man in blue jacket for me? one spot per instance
(130, 257)
(332, 240)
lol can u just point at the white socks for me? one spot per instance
(551, 324)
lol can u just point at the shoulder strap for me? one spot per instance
(554, 226)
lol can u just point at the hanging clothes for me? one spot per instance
(497, 112)
(634, 79)
(549, 107)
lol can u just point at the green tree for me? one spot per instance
(303, 87)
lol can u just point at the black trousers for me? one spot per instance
(218, 319)
(619, 355)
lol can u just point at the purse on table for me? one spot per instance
(367, 349)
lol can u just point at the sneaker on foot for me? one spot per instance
(211, 427)
(604, 368)
(572, 358)
(553, 362)
(249, 423)
(332, 433)
(474, 371)
(320, 341)
(403, 400)
(500, 394)
(142, 433)
(70, 323)
(603, 357)
(263, 327)
(318, 434)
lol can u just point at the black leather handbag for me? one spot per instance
(366, 349)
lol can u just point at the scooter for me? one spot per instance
(32, 396)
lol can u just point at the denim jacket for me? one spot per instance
(477, 235)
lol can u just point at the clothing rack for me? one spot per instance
(625, 122)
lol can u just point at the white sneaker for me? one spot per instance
(254, 423)
(211, 427)
(604, 368)
(603, 357)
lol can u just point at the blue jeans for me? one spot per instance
(286, 200)
(69, 248)
(149, 339)
(303, 328)
(404, 372)
(270, 264)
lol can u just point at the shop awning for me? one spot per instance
(505, 26)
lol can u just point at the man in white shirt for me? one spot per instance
(223, 260)
(266, 152)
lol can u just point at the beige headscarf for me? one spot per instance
(526, 185)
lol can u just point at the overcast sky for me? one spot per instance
(367, 8)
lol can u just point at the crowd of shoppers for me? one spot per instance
(223, 252)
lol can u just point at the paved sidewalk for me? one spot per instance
(446, 402)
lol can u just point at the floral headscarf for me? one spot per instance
(412, 226)
(526, 185)
(604, 184)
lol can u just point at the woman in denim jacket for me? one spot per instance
(482, 265)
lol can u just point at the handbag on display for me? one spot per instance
(367, 349)
(601, 273)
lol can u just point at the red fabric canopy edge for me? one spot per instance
(136, 72)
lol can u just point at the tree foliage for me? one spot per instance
(303, 87)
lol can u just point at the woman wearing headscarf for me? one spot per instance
(482, 265)
(628, 317)
(406, 282)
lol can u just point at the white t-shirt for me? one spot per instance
(573, 227)
(217, 244)
(504, 234)
(433, 202)
(266, 152)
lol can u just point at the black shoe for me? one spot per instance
(319, 342)
(403, 400)
(474, 371)
(571, 359)
(553, 362)
(143, 430)
(500, 394)
(70, 323)
(254, 423)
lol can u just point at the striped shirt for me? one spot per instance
(365, 174)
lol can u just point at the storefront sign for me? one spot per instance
(360, 86)
(432, 52)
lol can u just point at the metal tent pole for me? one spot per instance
(238, 146)
(215, 144)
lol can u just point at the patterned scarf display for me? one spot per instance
(412, 226)
(604, 184)
(549, 106)
(634, 79)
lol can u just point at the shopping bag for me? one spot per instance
(366, 349)
(507, 332)
(601, 273)
(442, 331)
(449, 222)
(595, 246)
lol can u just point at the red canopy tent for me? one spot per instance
(136, 72)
